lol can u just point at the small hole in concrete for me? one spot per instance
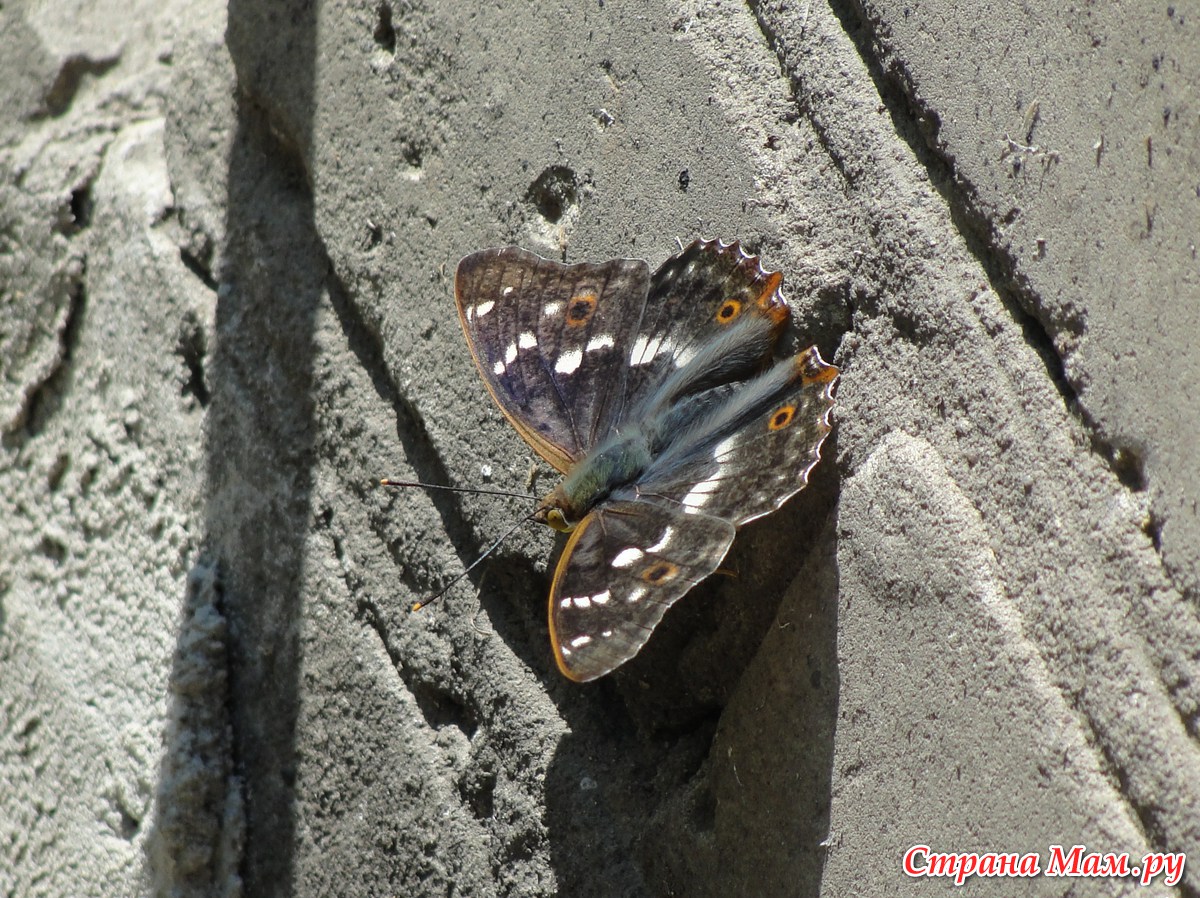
(555, 190)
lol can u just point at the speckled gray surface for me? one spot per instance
(228, 243)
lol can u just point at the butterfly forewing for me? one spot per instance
(755, 452)
(551, 342)
(623, 567)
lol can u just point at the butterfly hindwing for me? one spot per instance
(625, 564)
(551, 342)
(755, 452)
(711, 296)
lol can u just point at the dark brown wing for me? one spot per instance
(623, 567)
(551, 342)
(713, 310)
(754, 451)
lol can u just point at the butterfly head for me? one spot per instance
(555, 511)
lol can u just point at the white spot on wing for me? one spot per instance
(582, 601)
(526, 340)
(565, 603)
(601, 598)
(504, 292)
(636, 596)
(637, 355)
(568, 362)
(626, 557)
(498, 368)
(580, 641)
(722, 448)
(662, 543)
(604, 341)
(699, 494)
(648, 349)
(510, 354)
(484, 307)
(551, 309)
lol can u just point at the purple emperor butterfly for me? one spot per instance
(659, 399)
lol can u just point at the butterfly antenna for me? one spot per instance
(456, 489)
(429, 600)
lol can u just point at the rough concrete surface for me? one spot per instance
(227, 237)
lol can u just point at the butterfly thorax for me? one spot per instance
(621, 459)
(616, 462)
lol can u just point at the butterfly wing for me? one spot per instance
(712, 309)
(754, 451)
(625, 564)
(551, 342)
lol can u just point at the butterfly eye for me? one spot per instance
(580, 309)
(782, 417)
(556, 519)
(660, 572)
(728, 311)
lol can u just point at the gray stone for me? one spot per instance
(227, 241)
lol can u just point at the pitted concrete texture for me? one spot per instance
(229, 237)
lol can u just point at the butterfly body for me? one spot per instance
(659, 399)
(609, 468)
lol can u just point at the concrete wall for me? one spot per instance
(227, 240)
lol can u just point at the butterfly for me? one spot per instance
(659, 399)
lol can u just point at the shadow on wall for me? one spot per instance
(229, 765)
(704, 767)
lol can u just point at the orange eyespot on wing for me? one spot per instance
(729, 310)
(660, 572)
(580, 309)
(782, 417)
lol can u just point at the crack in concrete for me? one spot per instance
(917, 126)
